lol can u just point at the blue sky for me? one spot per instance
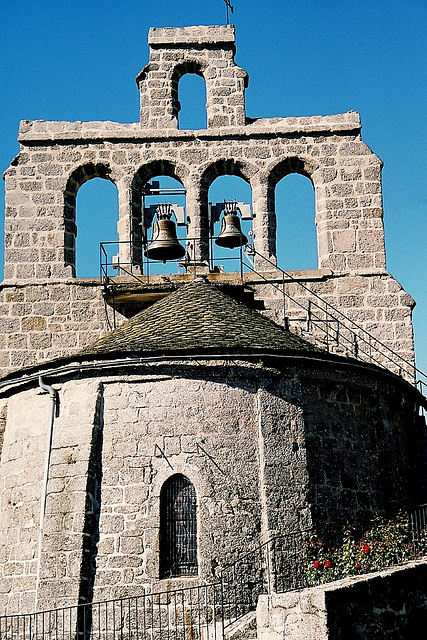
(78, 61)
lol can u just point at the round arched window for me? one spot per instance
(178, 528)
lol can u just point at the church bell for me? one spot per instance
(164, 242)
(231, 235)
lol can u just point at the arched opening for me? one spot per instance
(224, 181)
(97, 216)
(189, 95)
(228, 189)
(292, 237)
(192, 102)
(96, 222)
(178, 528)
(155, 184)
(296, 239)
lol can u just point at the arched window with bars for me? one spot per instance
(178, 528)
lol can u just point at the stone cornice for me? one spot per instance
(36, 131)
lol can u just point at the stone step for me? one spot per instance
(245, 628)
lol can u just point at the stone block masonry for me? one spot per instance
(388, 604)
(290, 458)
(46, 312)
(40, 321)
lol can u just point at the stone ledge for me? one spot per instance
(52, 131)
(191, 35)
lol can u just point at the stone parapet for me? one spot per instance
(389, 603)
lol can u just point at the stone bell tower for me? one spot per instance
(47, 311)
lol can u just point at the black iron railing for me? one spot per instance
(203, 612)
(112, 264)
(320, 321)
(418, 522)
(332, 329)
(183, 614)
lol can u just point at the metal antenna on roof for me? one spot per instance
(228, 6)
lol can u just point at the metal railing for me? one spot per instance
(418, 522)
(112, 265)
(321, 321)
(203, 612)
(333, 330)
(193, 613)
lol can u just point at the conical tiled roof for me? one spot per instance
(197, 317)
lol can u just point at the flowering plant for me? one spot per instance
(387, 543)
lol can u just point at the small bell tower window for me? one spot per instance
(178, 528)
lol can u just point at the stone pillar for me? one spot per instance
(197, 230)
(282, 454)
(264, 223)
(124, 225)
(65, 565)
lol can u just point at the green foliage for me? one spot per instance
(387, 543)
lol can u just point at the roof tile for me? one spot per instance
(197, 317)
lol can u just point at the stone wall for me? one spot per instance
(388, 604)
(44, 320)
(374, 314)
(114, 444)
(54, 562)
(363, 445)
(40, 321)
(57, 158)
(269, 450)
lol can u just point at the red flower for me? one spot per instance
(328, 564)
(358, 566)
(366, 548)
(316, 565)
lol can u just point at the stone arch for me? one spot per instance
(76, 179)
(145, 173)
(196, 67)
(225, 167)
(221, 167)
(292, 164)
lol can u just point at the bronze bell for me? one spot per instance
(164, 242)
(231, 235)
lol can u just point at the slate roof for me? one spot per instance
(198, 317)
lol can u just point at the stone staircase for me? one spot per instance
(245, 628)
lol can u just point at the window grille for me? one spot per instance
(178, 528)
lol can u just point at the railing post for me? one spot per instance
(308, 326)
(284, 299)
(222, 607)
